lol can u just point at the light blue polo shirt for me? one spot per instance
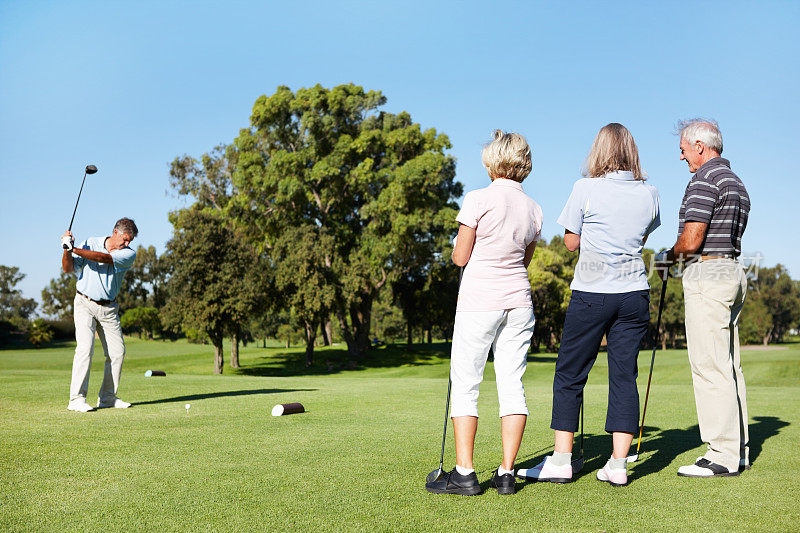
(613, 214)
(101, 281)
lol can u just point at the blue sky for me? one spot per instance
(129, 86)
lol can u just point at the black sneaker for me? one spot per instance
(504, 484)
(454, 483)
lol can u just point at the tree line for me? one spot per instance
(327, 220)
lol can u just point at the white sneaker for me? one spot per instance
(116, 404)
(705, 468)
(79, 405)
(617, 477)
(547, 471)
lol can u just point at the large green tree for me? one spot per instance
(14, 308)
(781, 295)
(372, 189)
(59, 296)
(215, 278)
(143, 285)
(550, 273)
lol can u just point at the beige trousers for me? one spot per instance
(88, 316)
(714, 293)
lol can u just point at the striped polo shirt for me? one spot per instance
(717, 197)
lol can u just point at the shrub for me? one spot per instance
(39, 332)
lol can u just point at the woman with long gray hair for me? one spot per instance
(608, 216)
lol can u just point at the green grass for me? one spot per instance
(358, 458)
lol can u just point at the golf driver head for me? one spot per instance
(633, 458)
(91, 169)
(434, 475)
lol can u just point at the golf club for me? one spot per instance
(435, 475)
(90, 169)
(577, 464)
(635, 457)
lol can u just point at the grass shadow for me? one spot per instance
(659, 447)
(224, 394)
(336, 360)
(668, 444)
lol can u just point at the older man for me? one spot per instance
(100, 264)
(713, 217)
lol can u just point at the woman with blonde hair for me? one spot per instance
(499, 227)
(608, 216)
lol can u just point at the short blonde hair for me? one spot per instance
(507, 156)
(613, 149)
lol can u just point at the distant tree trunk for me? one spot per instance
(324, 329)
(409, 334)
(534, 344)
(328, 329)
(219, 360)
(430, 334)
(264, 342)
(356, 334)
(235, 350)
(311, 335)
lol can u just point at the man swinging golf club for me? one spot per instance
(712, 220)
(100, 264)
(500, 226)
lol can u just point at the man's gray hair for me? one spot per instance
(705, 130)
(127, 225)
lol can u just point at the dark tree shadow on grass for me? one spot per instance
(223, 394)
(541, 358)
(659, 447)
(335, 360)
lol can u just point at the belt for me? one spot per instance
(101, 302)
(710, 257)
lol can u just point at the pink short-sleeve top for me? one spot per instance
(506, 221)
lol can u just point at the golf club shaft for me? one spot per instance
(652, 361)
(449, 387)
(580, 442)
(446, 415)
(76, 202)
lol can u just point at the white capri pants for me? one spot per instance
(508, 333)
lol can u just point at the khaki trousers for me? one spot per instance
(714, 293)
(88, 316)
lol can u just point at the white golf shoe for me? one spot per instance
(547, 471)
(79, 405)
(617, 477)
(116, 404)
(705, 468)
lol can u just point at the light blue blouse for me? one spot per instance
(613, 214)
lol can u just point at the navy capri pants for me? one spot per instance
(623, 319)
